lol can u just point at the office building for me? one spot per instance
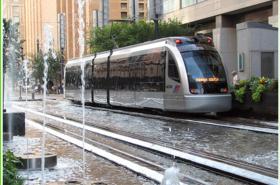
(245, 32)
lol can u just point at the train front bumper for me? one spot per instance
(207, 103)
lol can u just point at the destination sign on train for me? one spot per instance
(212, 79)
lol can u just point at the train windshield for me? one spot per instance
(205, 71)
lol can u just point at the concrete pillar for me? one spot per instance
(224, 38)
(273, 20)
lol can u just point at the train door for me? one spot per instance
(121, 92)
(150, 90)
(99, 81)
(173, 97)
(88, 81)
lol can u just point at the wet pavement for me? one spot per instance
(253, 147)
(186, 170)
(69, 165)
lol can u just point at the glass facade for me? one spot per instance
(168, 6)
(185, 3)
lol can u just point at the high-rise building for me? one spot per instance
(244, 31)
(62, 16)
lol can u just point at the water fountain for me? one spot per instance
(25, 62)
(81, 41)
(171, 175)
(48, 45)
(32, 158)
(13, 122)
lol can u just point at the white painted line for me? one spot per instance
(151, 174)
(200, 160)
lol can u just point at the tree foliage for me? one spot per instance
(53, 66)
(10, 172)
(124, 34)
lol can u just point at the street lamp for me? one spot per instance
(61, 70)
(62, 47)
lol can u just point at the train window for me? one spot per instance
(119, 74)
(100, 75)
(88, 76)
(205, 71)
(172, 69)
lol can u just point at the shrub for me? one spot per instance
(239, 94)
(10, 173)
(257, 86)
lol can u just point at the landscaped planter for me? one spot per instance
(267, 106)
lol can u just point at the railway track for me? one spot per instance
(239, 170)
(267, 129)
(139, 165)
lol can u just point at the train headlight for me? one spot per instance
(197, 91)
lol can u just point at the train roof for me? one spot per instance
(106, 53)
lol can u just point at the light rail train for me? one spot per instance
(172, 74)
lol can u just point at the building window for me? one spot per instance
(168, 6)
(16, 11)
(241, 62)
(141, 6)
(267, 64)
(123, 6)
(123, 15)
(185, 3)
(141, 15)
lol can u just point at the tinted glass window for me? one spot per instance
(73, 77)
(205, 71)
(144, 72)
(151, 71)
(267, 64)
(172, 69)
(119, 74)
(88, 76)
(100, 75)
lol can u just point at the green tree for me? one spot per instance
(53, 69)
(38, 67)
(124, 34)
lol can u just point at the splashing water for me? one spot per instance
(25, 66)
(81, 41)
(48, 45)
(171, 176)
(25, 63)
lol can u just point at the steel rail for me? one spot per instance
(151, 174)
(220, 166)
(167, 118)
(258, 168)
(126, 154)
